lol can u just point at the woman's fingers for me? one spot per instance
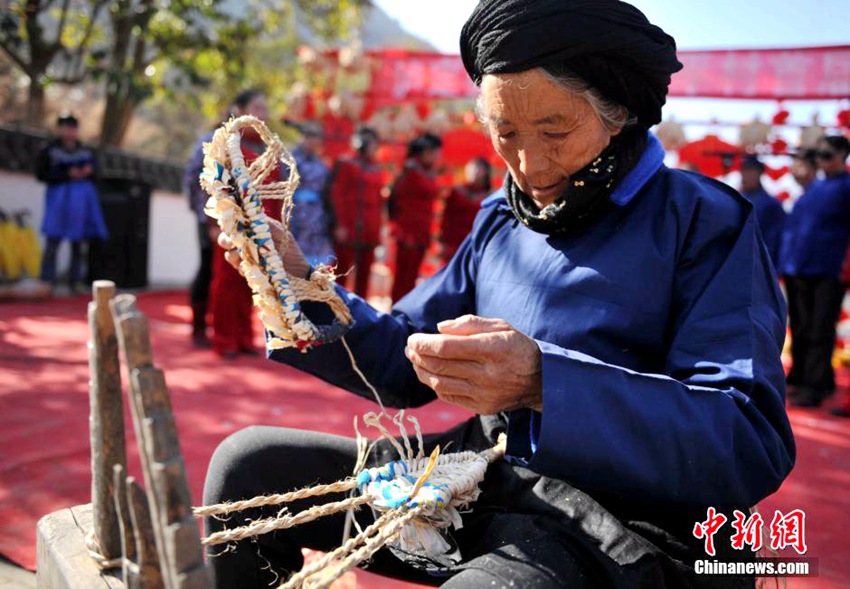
(457, 388)
(445, 367)
(225, 242)
(233, 258)
(230, 254)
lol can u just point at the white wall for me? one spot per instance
(173, 255)
(22, 191)
(172, 243)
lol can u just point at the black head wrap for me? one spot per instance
(609, 44)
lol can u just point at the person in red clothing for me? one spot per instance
(462, 204)
(230, 296)
(411, 210)
(354, 192)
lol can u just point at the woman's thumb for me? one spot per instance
(471, 325)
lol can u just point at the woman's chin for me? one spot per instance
(546, 196)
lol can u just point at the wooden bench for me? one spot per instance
(128, 537)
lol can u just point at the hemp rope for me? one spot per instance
(451, 480)
(275, 499)
(356, 550)
(283, 522)
(96, 552)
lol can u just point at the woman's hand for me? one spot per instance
(292, 257)
(481, 364)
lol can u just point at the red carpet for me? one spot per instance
(44, 452)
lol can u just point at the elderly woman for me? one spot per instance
(618, 319)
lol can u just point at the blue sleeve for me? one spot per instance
(773, 233)
(710, 430)
(377, 339)
(191, 185)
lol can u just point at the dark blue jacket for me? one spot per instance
(818, 229)
(191, 185)
(771, 218)
(660, 330)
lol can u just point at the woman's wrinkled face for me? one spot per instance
(542, 132)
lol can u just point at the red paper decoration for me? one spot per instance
(423, 109)
(711, 156)
(779, 146)
(780, 117)
(776, 173)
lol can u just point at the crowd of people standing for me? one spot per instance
(809, 250)
(341, 209)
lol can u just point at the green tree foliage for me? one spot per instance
(168, 56)
(50, 42)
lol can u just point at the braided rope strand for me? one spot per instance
(283, 522)
(342, 486)
(323, 572)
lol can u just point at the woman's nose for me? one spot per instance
(532, 161)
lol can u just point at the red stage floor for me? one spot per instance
(44, 452)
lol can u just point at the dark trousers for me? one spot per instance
(357, 258)
(199, 291)
(48, 261)
(814, 306)
(523, 531)
(407, 262)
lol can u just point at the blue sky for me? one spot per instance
(717, 24)
(695, 24)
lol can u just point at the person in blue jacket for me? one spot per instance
(199, 291)
(769, 211)
(71, 209)
(813, 250)
(619, 320)
(311, 222)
